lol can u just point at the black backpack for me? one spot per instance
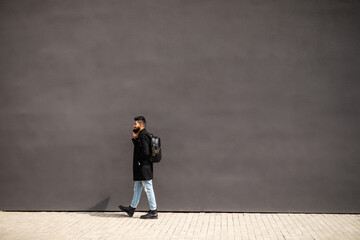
(155, 149)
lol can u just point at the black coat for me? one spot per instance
(142, 167)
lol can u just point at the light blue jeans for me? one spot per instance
(138, 187)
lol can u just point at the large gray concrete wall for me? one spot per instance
(256, 102)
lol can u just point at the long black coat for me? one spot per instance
(142, 167)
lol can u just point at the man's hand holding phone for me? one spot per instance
(135, 135)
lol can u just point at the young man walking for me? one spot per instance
(142, 170)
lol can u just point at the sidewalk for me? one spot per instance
(116, 225)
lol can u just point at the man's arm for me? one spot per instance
(135, 135)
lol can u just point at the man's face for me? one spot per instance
(136, 126)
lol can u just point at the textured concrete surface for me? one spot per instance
(116, 225)
(256, 103)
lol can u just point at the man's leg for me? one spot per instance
(152, 214)
(138, 187)
(150, 194)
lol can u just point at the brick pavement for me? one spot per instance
(116, 225)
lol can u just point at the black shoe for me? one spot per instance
(152, 214)
(129, 210)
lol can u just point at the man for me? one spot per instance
(142, 170)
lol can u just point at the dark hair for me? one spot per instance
(141, 120)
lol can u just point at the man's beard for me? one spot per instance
(136, 130)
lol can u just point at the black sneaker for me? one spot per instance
(152, 214)
(129, 210)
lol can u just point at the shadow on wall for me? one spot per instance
(100, 206)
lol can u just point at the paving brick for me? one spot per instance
(116, 225)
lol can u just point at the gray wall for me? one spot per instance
(256, 102)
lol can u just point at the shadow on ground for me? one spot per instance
(98, 210)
